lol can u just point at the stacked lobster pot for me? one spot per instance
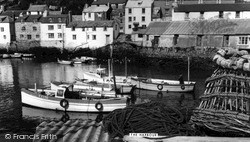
(225, 105)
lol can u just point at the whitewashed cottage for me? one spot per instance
(90, 34)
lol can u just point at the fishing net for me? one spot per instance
(151, 117)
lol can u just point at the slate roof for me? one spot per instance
(35, 8)
(29, 18)
(239, 27)
(157, 28)
(81, 24)
(101, 2)
(77, 17)
(5, 19)
(10, 12)
(55, 12)
(72, 131)
(212, 7)
(139, 3)
(55, 19)
(102, 8)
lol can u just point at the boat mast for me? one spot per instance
(126, 70)
(111, 56)
(188, 70)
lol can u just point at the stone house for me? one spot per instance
(230, 33)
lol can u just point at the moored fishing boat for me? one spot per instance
(16, 55)
(26, 55)
(5, 56)
(51, 98)
(65, 62)
(162, 85)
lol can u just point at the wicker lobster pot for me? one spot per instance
(225, 104)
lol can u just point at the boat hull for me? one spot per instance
(65, 62)
(162, 85)
(75, 105)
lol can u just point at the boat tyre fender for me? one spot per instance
(159, 86)
(99, 106)
(182, 87)
(65, 117)
(159, 95)
(64, 103)
(124, 80)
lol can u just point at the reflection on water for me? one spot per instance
(17, 73)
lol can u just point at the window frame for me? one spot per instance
(51, 35)
(243, 40)
(50, 27)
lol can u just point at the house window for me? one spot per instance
(140, 35)
(93, 37)
(144, 26)
(28, 36)
(175, 39)
(147, 37)
(37, 36)
(94, 28)
(21, 36)
(74, 37)
(83, 29)
(59, 35)
(221, 14)
(199, 40)
(186, 15)
(116, 5)
(4, 36)
(60, 20)
(89, 15)
(2, 29)
(50, 27)
(51, 35)
(237, 14)
(134, 18)
(129, 26)
(129, 10)
(143, 18)
(34, 28)
(243, 40)
(87, 36)
(225, 40)
(73, 29)
(143, 10)
(105, 28)
(129, 19)
(201, 15)
(59, 26)
(23, 28)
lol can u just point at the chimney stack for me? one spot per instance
(45, 13)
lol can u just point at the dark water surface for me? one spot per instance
(16, 74)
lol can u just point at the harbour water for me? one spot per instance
(16, 74)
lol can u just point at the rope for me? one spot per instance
(151, 117)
